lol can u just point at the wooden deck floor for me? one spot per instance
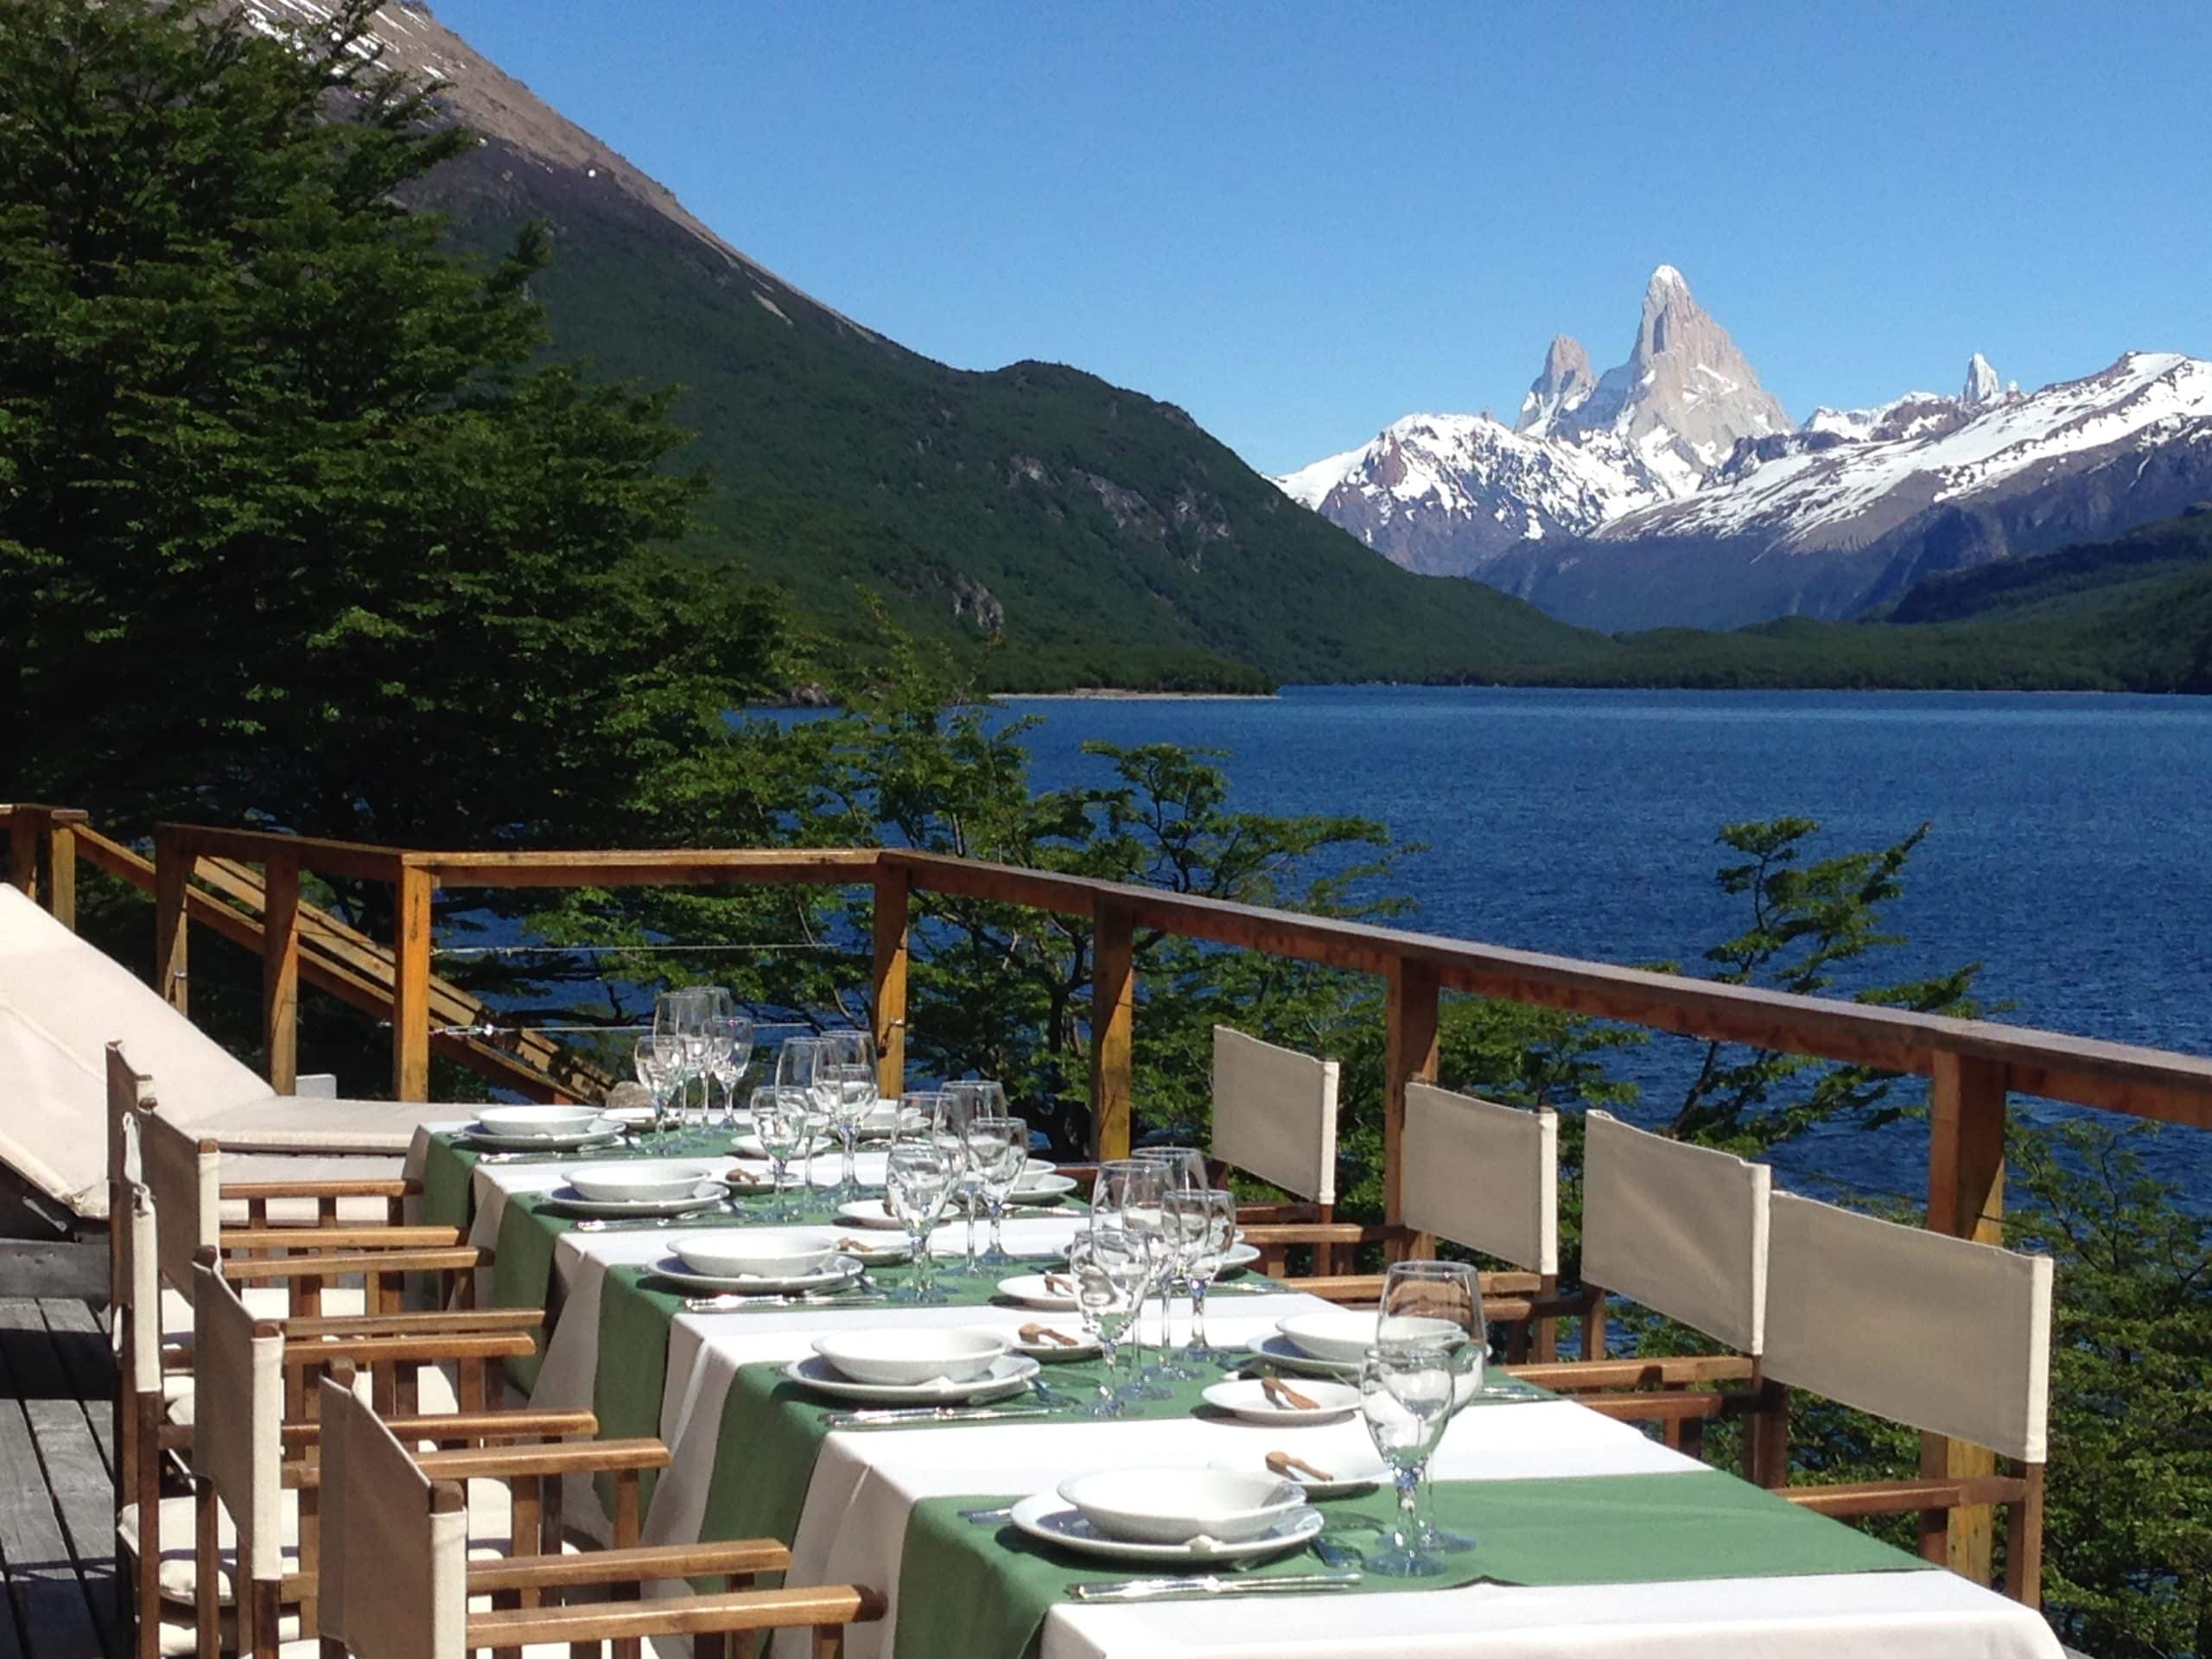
(57, 1528)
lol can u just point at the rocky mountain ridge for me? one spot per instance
(1660, 493)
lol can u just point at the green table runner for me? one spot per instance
(449, 1184)
(983, 1592)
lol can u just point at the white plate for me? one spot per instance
(746, 1144)
(1009, 1374)
(1286, 1355)
(1235, 1259)
(1050, 1190)
(1047, 1352)
(1359, 1472)
(843, 1270)
(870, 1212)
(1030, 1290)
(633, 1114)
(876, 1253)
(598, 1140)
(1051, 1517)
(567, 1201)
(1247, 1397)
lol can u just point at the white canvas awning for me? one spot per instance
(63, 1000)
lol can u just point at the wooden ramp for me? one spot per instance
(347, 963)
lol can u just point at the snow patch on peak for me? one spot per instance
(1666, 276)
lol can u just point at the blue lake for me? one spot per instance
(2070, 852)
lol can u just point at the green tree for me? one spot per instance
(295, 524)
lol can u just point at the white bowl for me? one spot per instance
(1173, 1506)
(1035, 1173)
(550, 1120)
(739, 1253)
(1338, 1335)
(617, 1183)
(902, 1354)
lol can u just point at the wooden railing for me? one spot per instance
(1973, 1067)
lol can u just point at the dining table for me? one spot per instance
(1591, 1537)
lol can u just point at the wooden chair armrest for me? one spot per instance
(334, 1239)
(1263, 1213)
(430, 1349)
(234, 1191)
(1656, 1407)
(466, 1426)
(1897, 1496)
(577, 1457)
(743, 1609)
(1355, 1287)
(417, 1324)
(1670, 1372)
(1266, 1234)
(255, 1268)
(638, 1565)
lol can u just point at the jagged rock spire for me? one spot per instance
(1982, 385)
(1564, 386)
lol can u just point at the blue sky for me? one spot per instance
(1299, 222)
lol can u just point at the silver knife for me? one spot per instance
(1206, 1585)
(734, 1303)
(887, 1418)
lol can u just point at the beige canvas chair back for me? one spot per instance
(1483, 1175)
(128, 1094)
(1275, 1114)
(382, 1528)
(1682, 1229)
(1935, 1333)
(238, 1427)
(185, 1181)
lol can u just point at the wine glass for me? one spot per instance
(963, 1106)
(1206, 1219)
(845, 1083)
(1182, 1169)
(798, 1061)
(1406, 1395)
(1126, 1195)
(1000, 1153)
(1437, 1304)
(786, 1130)
(919, 1175)
(730, 1045)
(678, 1028)
(1109, 1269)
(656, 1070)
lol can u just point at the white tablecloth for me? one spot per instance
(853, 1526)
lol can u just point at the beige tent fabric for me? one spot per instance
(63, 1002)
(1483, 1175)
(1939, 1333)
(394, 1582)
(1275, 1114)
(238, 1434)
(182, 1178)
(1682, 1229)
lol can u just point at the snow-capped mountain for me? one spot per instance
(1658, 492)
(1444, 493)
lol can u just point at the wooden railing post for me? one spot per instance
(280, 970)
(893, 890)
(62, 873)
(1113, 1024)
(1409, 1055)
(1965, 1199)
(410, 984)
(173, 861)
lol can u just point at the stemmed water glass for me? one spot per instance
(786, 1130)
(1438, 1304)
(961, 1109)
(656, 1068)
(1205, 1220)
(845, 1084)
(729, 1047)
(919, 1177)
(1182, 1169)
(1126, 1196)
(1110, 1270)
(679, 1032)
(798, 1065)
(998, 1152)
(1406, 1395)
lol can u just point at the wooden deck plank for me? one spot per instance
(47, 1589)
(81, 1336)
